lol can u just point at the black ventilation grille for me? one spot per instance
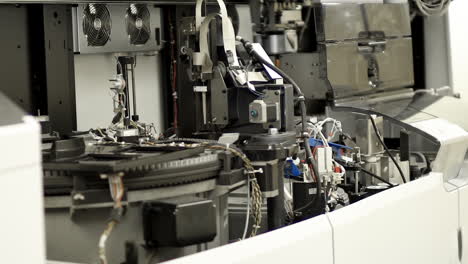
(97, 24)
(138, 24)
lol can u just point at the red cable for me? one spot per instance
(312, 173)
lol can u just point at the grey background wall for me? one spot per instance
(94, 99)
(458, 32)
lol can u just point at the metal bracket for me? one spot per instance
(203, 90)
(219, 100)
(273, 97)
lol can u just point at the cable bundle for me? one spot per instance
(256, 199)
(254, 192)
(117, 191)
(432, 7)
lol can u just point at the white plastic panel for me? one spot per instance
(21, 199)
(453, 146)
(457, 38)
(462, 183)
(464, 222)
(308, 241)
(413, 223)
(20, 145)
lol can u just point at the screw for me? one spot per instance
(78, 196)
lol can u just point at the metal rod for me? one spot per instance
(204, 107)
(356, 182)
(275, 205)
(124, 69)
(132, 69)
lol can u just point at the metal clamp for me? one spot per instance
(254, 171)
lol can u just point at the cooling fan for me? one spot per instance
(138, 24)
(97, 24)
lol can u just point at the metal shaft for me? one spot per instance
(132, 69)
(275, 205)
(204, 107)
(356, 182)
(124, 72)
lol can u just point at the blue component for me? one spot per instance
(318, 143)
(291, 170)
(335, 147)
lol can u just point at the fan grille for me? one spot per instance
(97, 24)
(138, 24)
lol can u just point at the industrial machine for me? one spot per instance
(253, 132)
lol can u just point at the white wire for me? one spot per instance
(288, 201)
(94, 136)
(324, 139)
(432, 7)
(332, 132)
(343, 171)
(318, 127)
(247, 214)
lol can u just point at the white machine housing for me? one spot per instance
(22, 234)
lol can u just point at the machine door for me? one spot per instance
(417, 222)
(413, 223)
(452, 158)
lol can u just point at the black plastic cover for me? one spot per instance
(179, 223)
(306, 204)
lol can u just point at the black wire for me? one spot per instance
(377, 177)
(306, 25)
(377, 133)
(309, 156)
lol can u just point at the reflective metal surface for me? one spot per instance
(395, 64)
(350, 21)
(364, 48)
(392, 19)
(347, 67)
(339, 22)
